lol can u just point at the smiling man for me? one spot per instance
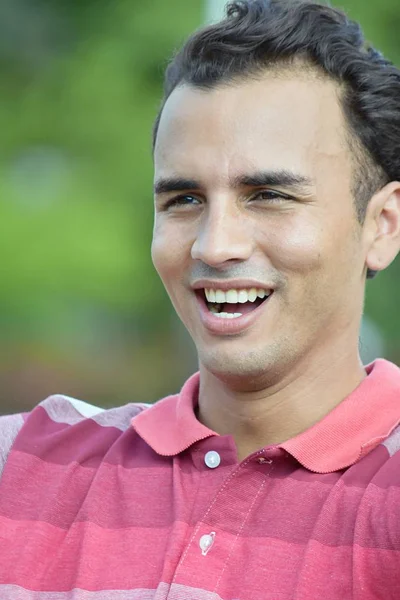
(275, 472)
(258, 244)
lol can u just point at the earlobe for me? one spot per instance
(384, 214)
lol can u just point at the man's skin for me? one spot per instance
(275, 376)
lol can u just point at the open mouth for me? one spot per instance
(235, 303)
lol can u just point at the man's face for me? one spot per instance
(253, 196)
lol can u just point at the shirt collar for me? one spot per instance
(347, 433)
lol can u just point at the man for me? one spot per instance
(275, 473)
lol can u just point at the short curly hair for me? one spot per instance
(258, 35)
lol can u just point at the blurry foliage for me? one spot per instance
(80, 87)
(80, 84)
(381, 25)
(87, 235)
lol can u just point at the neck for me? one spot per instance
(281, 410)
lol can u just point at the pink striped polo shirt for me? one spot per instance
(146, 503)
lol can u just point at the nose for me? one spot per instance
(224, 235)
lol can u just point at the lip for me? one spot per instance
(219, 326)
(231, 284)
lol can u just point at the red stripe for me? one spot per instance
(85, 442)
(115, 497)
(43, 558)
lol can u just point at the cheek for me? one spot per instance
(168, 251)
(170, 258)
(295, 246)
(310, 244)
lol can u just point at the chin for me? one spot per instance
(239, 370)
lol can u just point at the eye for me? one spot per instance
(271, 196)
(184, 200)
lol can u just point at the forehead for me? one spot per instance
(292, 121)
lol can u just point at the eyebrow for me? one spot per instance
(278, 178)
(175, 184)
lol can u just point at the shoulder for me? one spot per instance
(59, 419)
(71, 411)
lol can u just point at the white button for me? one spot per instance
(212, 459)
(206, 541)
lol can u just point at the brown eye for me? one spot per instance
(182, 201)
(271, 196)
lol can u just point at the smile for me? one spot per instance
(233, 303)
(233, 310)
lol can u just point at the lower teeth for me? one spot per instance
(215, 309)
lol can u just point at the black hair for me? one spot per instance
(258, 35)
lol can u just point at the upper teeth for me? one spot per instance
(235, 296)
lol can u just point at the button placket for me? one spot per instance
(203, 542)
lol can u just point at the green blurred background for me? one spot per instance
(81, 309)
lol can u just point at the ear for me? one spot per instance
(382, 227)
